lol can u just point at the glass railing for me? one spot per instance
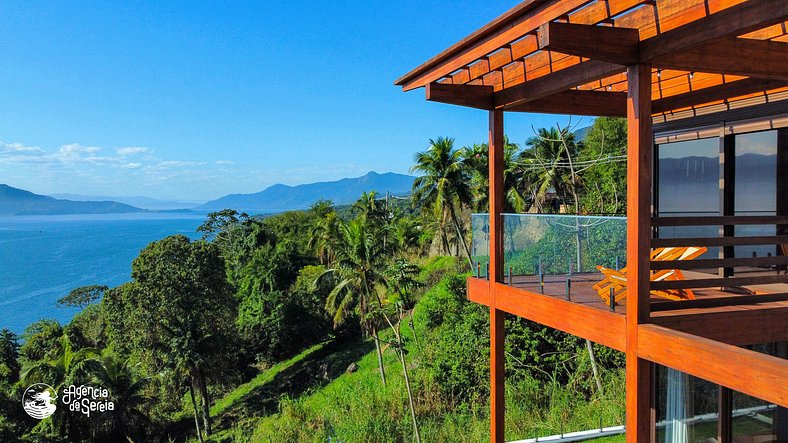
(552, 244)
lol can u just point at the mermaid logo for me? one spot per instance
(39, 401)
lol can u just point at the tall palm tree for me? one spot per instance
(545, 165)
(323, 234)
(379, 218)
(443, 186)
(356, 279)
(477, 159)
(117, 375)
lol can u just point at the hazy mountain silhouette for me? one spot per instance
(137, 201)
(278, 198)
(14, 201)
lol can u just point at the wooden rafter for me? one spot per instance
(734, 21)
(722, 91)
(554, 83)
(736, 56)
(603, 43)
(592, 103)
(481, 44)
(474, 96)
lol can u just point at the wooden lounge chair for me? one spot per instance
(617, 280)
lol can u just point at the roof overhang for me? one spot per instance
(570, 56)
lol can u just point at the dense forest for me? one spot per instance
(330, 324)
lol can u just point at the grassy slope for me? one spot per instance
(356, 407)
(294, 402)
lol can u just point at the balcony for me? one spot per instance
(551, 267)
(555, 255)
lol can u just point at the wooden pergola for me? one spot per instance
(658, 63)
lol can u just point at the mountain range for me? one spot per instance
(153, 204)
(278, 198)
(15, 201)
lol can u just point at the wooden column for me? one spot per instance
(782, 183)
(497, 334)
(640, 156)
(725, 411)
(727, 190)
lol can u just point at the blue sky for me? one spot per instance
(194, 100)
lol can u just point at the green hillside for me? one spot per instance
(357, 407)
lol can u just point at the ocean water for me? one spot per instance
(43, 257)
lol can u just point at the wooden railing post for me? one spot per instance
(639, 421)
(497, 333)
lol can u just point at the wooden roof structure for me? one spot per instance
(569, 57)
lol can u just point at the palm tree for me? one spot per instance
(356, 278)
(65, 366)
(477, 159)
(117, 375)
(322, 234)
(443, 186)
(544, 165)
(378, 217)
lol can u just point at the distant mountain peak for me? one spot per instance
(15, 201)
(281, 197)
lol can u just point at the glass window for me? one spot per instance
(689, 174)
(687, 408)
(756, 187)
(688, 184)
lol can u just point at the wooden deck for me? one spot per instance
(714, 314)
(580, 289)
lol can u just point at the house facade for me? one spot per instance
(696, 272)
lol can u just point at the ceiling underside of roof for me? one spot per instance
(570, 57)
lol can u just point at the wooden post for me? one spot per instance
(726, 184)
(725, 410)
(639, 170)
(782, 189)
(497, 333)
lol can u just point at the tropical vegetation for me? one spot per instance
(331, 324)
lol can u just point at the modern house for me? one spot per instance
(703, 85)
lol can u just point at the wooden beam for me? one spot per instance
(555, 83)
(730, 22)
(474, 96)
(511, 26)
(478, 291)
(714, 93)
(738, 325)
(497, 333)
(735, 56)
(753, 373)
(727, 23)
(603, 43)
(640, 154)
(578, 102)
(599, 326)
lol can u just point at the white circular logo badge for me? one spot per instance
(39, 401)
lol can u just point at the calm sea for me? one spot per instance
(43, 257)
